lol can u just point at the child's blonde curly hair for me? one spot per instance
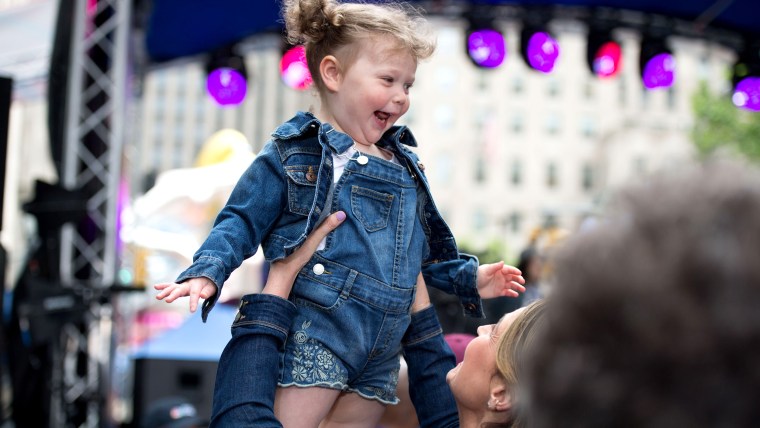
(327, 27)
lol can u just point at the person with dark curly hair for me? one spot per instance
(655, 319)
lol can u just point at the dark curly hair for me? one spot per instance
(655, 316)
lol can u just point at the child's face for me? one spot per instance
(374, 91)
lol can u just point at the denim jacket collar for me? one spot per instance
(304, 122)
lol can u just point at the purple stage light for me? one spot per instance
(486, 48)
(659, 72)
(747, 93)
(607, 60)
(294, 70)
(226, 86)
(542, 52)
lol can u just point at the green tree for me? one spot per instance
(492, 253)
(719, 125)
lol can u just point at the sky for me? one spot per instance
(26, 39)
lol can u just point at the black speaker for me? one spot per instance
(6, 88)
(160, 378)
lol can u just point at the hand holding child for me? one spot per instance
(499, 279)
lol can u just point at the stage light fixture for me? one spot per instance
(485, 45)
(226, 77)
(604, 54)
(746, 78)
(657, 64)
(294, 69)
(539, 48)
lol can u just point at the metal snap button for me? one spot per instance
(310, 175)
(318, 269)
(362, 160)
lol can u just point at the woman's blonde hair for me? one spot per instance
(514, 344)
(325, 27)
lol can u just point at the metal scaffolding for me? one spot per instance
(96, 104)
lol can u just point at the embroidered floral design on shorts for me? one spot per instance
(313, 363)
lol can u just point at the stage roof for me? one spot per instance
(179, 28)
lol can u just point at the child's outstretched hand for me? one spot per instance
(196, 288)
(499, 279)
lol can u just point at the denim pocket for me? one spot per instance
(302, 184)
(371, 207)
(316, 294)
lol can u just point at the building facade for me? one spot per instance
(506, 150)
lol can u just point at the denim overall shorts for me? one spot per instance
(354, 296)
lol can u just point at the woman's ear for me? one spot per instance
(500, 396)
(329, 69)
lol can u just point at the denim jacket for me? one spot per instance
(258, 336)
(279, 199)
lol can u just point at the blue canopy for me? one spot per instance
(193, 340)
(178, 28)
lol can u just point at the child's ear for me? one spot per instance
(329, 69)
(500, 397)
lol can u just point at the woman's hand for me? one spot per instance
(282, 273)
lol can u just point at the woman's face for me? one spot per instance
(470, 380)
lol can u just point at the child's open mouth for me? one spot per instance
(382, 116)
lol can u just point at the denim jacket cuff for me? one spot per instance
(423, 326)
(466, 287)
(266, 311)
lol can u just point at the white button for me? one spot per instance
(318, 269)
(362, 160)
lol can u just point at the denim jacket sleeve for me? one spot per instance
(457, 277)
(429, 359)
(249, 214)
(246, 377)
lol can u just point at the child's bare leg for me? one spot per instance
(351, 410)
(297, 407)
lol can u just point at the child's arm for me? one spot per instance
(238, 230)
(470, 282)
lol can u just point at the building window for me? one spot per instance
(518, 123)
(550, 220)
(479, 220)
(516, 173)
(518, 85)
(587, 178)
(443, 169)
(483, 80)
(515, 222)
(552, 175)
(408, 118)
(480, 169)
(672, 98)
(446, 78)
(444, 117)
(553, 88)
(639, 166)
(588, 90)
(588, 126)
(645, 96)
(552, 123)
(622, 93)
(703, 69)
